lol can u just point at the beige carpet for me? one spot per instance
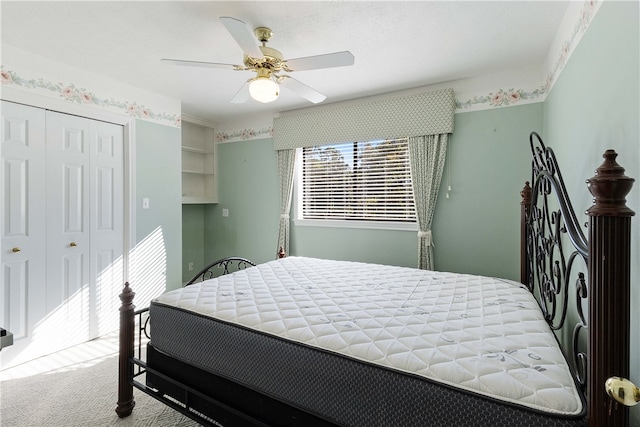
(77, 387)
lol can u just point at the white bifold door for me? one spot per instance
(62, 230)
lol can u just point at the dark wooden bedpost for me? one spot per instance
(281, 253)
(127, 326)
(609, 288)
(525, 207)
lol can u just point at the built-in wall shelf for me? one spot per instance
(199, 163)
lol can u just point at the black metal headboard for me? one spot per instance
(559, 263)
(554, 265)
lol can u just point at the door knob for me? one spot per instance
(622, 390)
(73, 244)
(14, 250)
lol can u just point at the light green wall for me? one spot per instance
(193, 242)
(379, 246)
(158, 246)
(477, 230)
(248, 188)
(595, 105)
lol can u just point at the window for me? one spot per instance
(359, 181)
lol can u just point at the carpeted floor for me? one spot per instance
(77, 387)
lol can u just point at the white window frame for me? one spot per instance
(333, 223)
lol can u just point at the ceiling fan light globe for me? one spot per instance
(263, 89)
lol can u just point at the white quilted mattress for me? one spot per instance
(479, 334)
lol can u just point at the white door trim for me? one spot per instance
(62, 106)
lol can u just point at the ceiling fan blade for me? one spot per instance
(243, 36)
(182, 62)
(242, 95)
(329, 60)
(301, 89)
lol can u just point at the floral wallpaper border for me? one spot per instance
(72, 93)
(502, 98)
(244, 134)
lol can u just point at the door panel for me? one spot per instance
(73, 198)
(15, 212)
(15, 298)
(68, 238)
(23, 254)
(107, 224)
(74, 290)
(104, 199)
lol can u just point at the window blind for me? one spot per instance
(368, 181)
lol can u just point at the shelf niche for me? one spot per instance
(199, 163)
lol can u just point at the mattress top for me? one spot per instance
(476, 333)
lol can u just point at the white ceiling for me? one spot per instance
(397, 45)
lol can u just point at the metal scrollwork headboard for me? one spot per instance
(553, 262)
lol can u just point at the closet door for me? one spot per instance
(68, 284)
(22, 297)
(107, 225)
(62, 230)
(85, 225)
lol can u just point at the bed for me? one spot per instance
(303, 342)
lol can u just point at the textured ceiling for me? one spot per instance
(397, 45)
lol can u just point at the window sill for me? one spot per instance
(374, 225)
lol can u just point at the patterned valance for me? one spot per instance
(427, 113)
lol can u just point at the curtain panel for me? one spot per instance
(427, 155)
(286, 167)
(428, 113)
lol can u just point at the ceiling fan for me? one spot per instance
(267, 63)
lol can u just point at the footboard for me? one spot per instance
(134, 331)
(219, 268)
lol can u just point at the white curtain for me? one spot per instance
(286, 165)
(426, 157)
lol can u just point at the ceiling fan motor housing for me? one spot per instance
(272, 59)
